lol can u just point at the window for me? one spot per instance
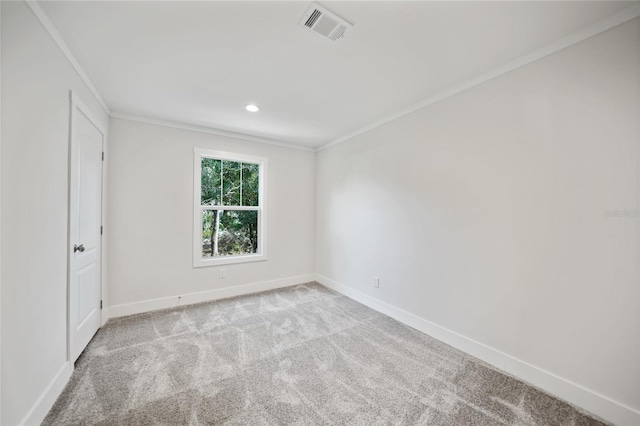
(229, 212)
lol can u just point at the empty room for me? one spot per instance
(320, 213)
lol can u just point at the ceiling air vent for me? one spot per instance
(325, 23)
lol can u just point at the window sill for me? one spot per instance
(199, 263)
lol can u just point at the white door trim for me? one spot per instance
(76, 104)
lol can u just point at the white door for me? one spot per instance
(85, 212)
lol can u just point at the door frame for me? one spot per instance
(76, 105)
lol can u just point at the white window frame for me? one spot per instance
(261, 252)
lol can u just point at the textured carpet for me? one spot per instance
(299, 355)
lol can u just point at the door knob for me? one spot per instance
(79, 248)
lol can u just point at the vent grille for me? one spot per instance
(312, 19)
(325, 23)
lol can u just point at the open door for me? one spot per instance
(85, 220)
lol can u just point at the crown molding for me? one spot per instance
(57, 38)
(208, 130)
(596, 28)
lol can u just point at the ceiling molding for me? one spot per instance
(57, 38)
(596, 28)
(208, 130)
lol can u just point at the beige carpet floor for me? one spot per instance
(300, 355)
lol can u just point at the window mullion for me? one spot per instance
(239, 208)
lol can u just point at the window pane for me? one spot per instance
(210, 181)
(208, 232)
(229, 232)
(250, 184)
(231, 183)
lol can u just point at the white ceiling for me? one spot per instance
(201, 62)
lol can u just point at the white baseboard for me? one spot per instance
(204, 296)
(104, 316)
(589, 400)
(39, 410)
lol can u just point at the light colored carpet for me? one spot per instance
(299, 355)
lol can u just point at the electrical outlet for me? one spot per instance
(376, 282)
(221, 273)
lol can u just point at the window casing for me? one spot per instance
(229, 222)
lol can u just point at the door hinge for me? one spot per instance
(102, 155)
(100, 229)
(101, 304)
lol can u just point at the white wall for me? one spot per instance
(36, 79)
(150, 227)
(485, 214)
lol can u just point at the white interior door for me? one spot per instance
(85, 203)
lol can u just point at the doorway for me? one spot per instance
(86, 147)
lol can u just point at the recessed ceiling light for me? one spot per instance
(252, 108)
